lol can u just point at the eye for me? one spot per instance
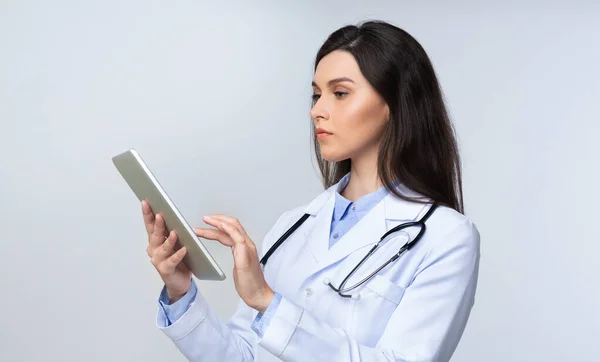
(340, 94)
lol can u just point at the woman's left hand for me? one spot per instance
(248, 277)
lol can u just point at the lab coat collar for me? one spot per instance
(395, 208)
(364, 234)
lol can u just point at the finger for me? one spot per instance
(173, 261)
(159, 233)
(167, 266)
(181, 266)
(228, 219)
(215, 219)
(148, 217)
(213, 234)
(233, 232)
(165, 250)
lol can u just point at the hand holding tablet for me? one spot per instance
(175, 249)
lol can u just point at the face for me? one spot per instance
(349, 116)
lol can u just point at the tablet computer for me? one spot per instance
(146, 187)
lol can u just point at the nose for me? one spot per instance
(319, 111)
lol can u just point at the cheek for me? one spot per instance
(361, 124)
(354, 132)
(357, 125)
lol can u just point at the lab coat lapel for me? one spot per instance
(317, 237)
(367, 231)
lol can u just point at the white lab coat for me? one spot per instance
(414, 310)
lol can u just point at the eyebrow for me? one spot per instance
(334, 81)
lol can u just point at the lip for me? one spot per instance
(319, 131)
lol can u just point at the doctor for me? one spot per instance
(388, 156)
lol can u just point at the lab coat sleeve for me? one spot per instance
(174, 311)
(261, 322)
(201, 336)
(426, 325)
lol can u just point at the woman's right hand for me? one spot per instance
(175, 274)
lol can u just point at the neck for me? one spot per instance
(363, 177)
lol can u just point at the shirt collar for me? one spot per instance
(362, 205)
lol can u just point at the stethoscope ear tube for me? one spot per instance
(283, 237)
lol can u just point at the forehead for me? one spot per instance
(337, 64)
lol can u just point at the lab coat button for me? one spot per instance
(308, 292)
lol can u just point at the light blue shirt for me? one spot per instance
(345, 215)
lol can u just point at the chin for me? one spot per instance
(333, 156)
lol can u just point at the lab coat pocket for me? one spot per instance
(378, 300)
(383, 288)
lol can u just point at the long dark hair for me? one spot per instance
(418, 146)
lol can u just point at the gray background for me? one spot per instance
(215, 96)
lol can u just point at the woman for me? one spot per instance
(388, 156)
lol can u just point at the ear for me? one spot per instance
(387, 112)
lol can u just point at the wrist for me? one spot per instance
(174, 296)
(264, 301)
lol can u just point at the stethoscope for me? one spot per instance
(342, 290)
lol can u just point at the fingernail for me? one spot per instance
(208, 218)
